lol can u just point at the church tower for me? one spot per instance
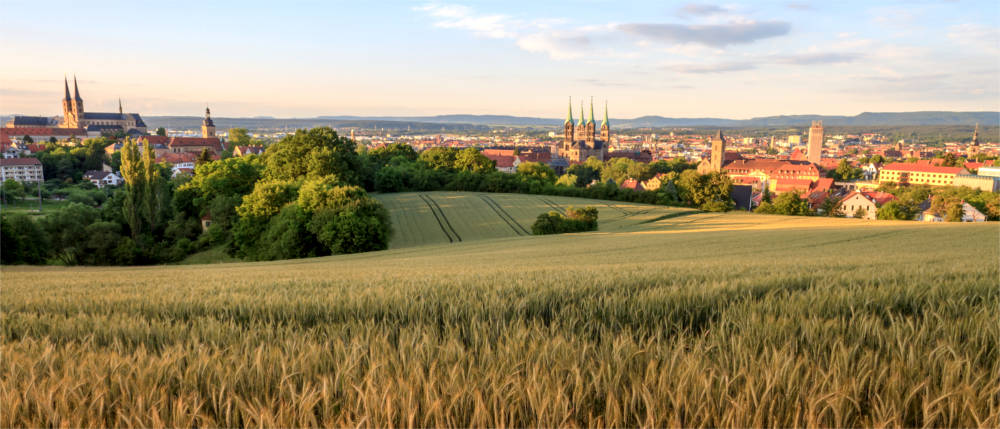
(815, 148)
(207, 126)
(718, 152)
(590, 126)
(568, 126)
(581, 127)
(69, 121)
(77, 102)
(606, 126)
(973, 149)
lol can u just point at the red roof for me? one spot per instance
(498, 152)
(878, 198)
(502, 161)
(785, 185)
(212, 142)
(155, 140)
(921, 167)
(7, 133)
(823, 184)
(631, 184)
(177, 158)
(771, 167)
(19, 161)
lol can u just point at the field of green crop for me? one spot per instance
(421, 218)
(669, 319)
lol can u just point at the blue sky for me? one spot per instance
(680, 59)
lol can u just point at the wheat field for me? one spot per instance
(728, 320)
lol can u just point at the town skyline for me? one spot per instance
(681, 60)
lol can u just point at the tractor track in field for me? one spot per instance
(511, 222)
(441, 219)
(553, 205)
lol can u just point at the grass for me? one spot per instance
(29, 206)
(697, 320)
(213, 255)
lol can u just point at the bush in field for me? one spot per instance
(575, 220)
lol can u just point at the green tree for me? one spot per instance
(894, 210)
(310, 154)
(705, 191)
(568, 180)
(238, 137)
(12, 190)
(22, 241)
(845, 171)
(135, 186)
(203, 158)
(383, 155)
(788, 203)
(439, 158)
(161, 131)
(470, 159)
(537, 171)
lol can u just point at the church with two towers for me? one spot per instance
(581, 140)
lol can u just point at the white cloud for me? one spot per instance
(977, 36)
(494, 26)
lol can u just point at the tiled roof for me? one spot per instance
(771, 166)
(104, 116)
(503, 161)
(921, 168)
(785, 185)
(212, 142)
(19, 161)
(177, 158)
(30, 121)
(878, 198)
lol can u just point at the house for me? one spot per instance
(969, 214)
(195, 145)
(919, 174)
(181, 163)
(864, 205)
(101, 178)
(248, 150)
(505, 163)
(23, 170)
(42, 134)
(654, 183)
(870, 170)
(631, 184)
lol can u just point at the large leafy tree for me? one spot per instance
(311, 154)
(470, 159)
(788, 203)
(537, 171)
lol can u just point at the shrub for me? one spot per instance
(575, 220)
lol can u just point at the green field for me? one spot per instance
(664, 317)
(421, 218)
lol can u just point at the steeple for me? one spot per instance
(207, 126)
(605, 123)
(581, 113)
(76, 90)
(66, 85)
(569, 112)
(975, 135)
(591, 119)
(120, 110)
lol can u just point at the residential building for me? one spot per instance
(23, 170)
(969, 214)
(864, 205)
(248, 150)
(982, 183)
(919, 174)
(101, 178)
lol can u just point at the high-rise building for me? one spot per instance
(815, 142)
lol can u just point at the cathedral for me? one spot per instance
(580, 140)
(75, 117)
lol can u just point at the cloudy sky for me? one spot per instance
(679, 59)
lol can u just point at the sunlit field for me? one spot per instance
(664, 317)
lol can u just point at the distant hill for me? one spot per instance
(459, 122)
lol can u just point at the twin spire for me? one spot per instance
(569, 113)
(76, 89)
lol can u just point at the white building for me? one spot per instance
(21, 169)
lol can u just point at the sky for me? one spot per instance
(515, 57)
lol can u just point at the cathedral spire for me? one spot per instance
(76, 90)
(591, 119)
(120, 110)
(975, 135)
(605, 122)
(569, 113)
(66, 85)
(581, 113)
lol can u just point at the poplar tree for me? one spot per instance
(132, 172)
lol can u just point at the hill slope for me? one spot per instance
(697, 320)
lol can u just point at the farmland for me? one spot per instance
(664, 317)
